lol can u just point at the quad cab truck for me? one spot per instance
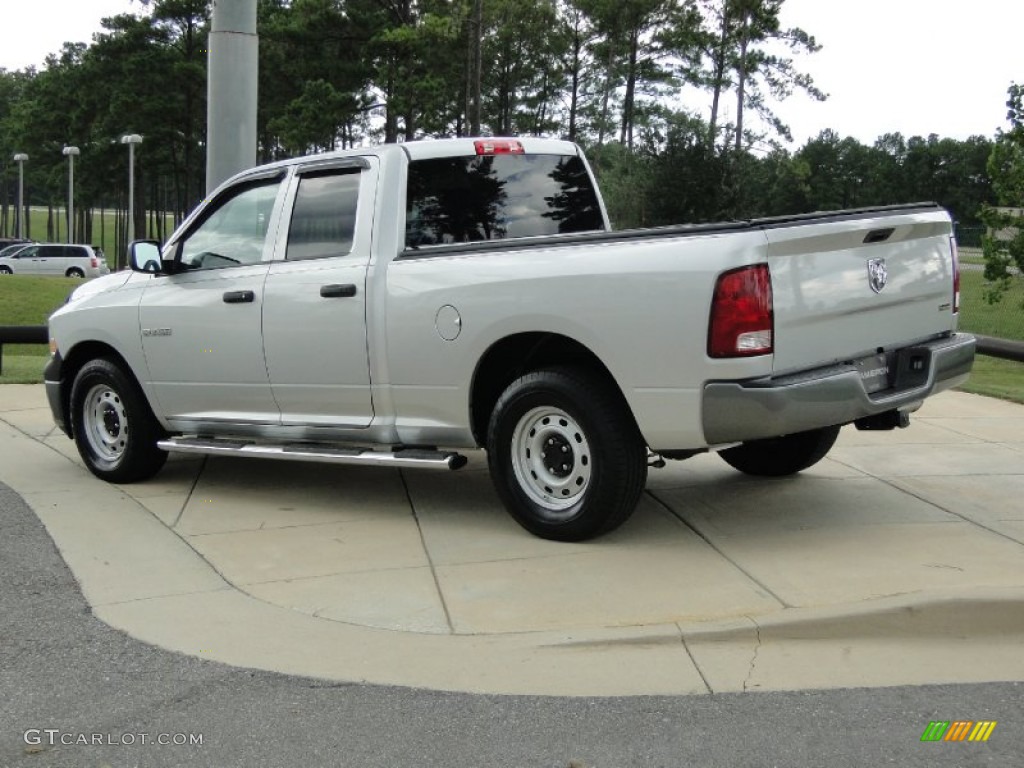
(396, 304)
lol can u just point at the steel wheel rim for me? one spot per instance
(105, 422)
(551, 458)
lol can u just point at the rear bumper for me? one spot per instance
(738, 411)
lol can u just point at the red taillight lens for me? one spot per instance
(500, 147)
(956, 274)
(741, 314)
(95, 262)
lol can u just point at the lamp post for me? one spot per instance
(131, 140)
(21, 158)
(71, 153)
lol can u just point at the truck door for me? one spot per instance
(314, 312)
(201, 327)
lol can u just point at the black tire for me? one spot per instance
(4, 269)
(781, 456)
(74, 272)
(583, 418)
(114, 428)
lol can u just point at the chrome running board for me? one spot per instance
(412, 458)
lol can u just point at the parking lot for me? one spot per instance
(897, 560)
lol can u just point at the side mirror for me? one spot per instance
(144, 256)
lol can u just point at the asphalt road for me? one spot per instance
(63, 670)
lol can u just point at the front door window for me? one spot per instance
(235, 232)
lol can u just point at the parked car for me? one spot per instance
(55, 259)
(14, 247)
(6, 241)
(384, 305)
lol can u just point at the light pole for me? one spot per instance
(21, 158)
(131, 140)
(71, 153)
(231, 90)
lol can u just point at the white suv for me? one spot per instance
(55, 259)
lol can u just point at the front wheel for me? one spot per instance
(781, 456)
(4, 269)
(114, 429)
(566, 457)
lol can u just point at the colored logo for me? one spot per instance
(958, 730)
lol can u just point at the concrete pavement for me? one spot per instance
(897, 560)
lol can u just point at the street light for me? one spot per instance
(21, 158)
(71, 153)
(131, 140)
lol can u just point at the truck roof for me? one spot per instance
(423, 149)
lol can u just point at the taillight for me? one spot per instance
(499, 147)
(741, 314)
(94, 261)
(956, 274)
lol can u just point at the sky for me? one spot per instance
(913, 66)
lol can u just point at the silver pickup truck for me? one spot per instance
(393, 305)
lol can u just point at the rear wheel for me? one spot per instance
(566, 457)
(114, 429)
(780, 456)
(74, 272)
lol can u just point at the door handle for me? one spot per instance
(346, 291)
(239, 297)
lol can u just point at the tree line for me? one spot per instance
(608, 74)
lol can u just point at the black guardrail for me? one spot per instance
(1004, 348)
(38, 334)
(21, 334)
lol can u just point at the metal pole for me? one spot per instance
(20, 159)
(21, 198)
(71, 198)
(131, 190)
(131, 140)
(231, 90)
(71, 152)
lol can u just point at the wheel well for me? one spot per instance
(513, 356)
(78, 356)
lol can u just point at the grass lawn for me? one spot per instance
(21, 368)
(1004, 320)
(29, 300)
(996, 378)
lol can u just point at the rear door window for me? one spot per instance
(323, 219)
(495, 197)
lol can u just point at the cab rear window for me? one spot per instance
(495, 197)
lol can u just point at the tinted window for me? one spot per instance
(51, 252)
(324, 217)
(464, 199)
(234, 230)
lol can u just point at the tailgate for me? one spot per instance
(845, 285)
